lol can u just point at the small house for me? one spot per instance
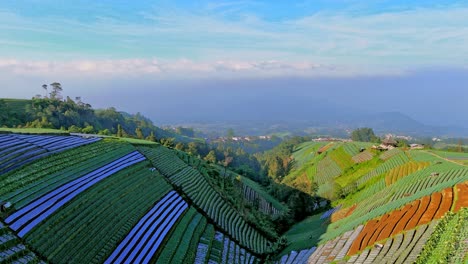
(416, 146)
(389, 142)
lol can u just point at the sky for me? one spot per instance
(101, 50)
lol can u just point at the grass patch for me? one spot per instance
(33, 131)
(305, 234)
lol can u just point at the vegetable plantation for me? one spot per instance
(204, 196)
(69, 199)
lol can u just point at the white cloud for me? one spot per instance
(319, 44)
(166, 69)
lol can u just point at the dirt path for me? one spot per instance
(435, 155)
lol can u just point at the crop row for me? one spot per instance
(381, 203)
(18, 150)
(198, 189)
(214, 247)
(325, 148)
(31, 182)
(32, 214)
(196, 186)
(205, 245)
(417, 213)
(342, 213)
(184, 239)
(389, 164)
(233, 253)
(343, 159)
(448, 243)
(425, 181)
(89, 227)
(12, 250)
(295, 257)
(250, 194)
(168, 162)
(353, 148)
(399, 172)
(391, 153)
(420, 155)
(402, 248)
(253, 197)
(141, 244)
(327, 169)
(335, 249)
(362, 157)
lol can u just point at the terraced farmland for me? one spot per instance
(107, 201)
(17, 150)
(104, 202)
(12, 250)
(199, 190)
(391, 208)
(362, 157)
(251, 191)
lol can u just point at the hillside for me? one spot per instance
(72, 199)
(79, 117)
(387, 207)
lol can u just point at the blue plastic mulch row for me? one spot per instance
(17, 150)
(32, 214)
(140, 245)
(330, 212)
(297, 257)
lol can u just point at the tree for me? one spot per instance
(211, 157)
(105, 132)
(139, 133)
(192, 148)
(56, 91)
(151, 137)
(179, 146)
(119, 130)
(44, 86)
(364, 134)
(88, 129)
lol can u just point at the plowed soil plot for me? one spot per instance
(368, 230)
(436, 199)
(462, 193)
(417, 213)
(342, 213)
(447, 200)
(424, 203)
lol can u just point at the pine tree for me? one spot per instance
(139, 133)
(119, 131)
(151, 137)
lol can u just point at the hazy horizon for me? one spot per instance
(193, 61)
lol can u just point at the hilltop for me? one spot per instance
(76, 116)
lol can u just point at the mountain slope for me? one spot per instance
(386, 207)
(106, 202)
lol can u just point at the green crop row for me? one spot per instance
(448, 242)
(28, 183)
(327, 169)
(90, 226)
(342, 158)
(179, 235)
(199, 190)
